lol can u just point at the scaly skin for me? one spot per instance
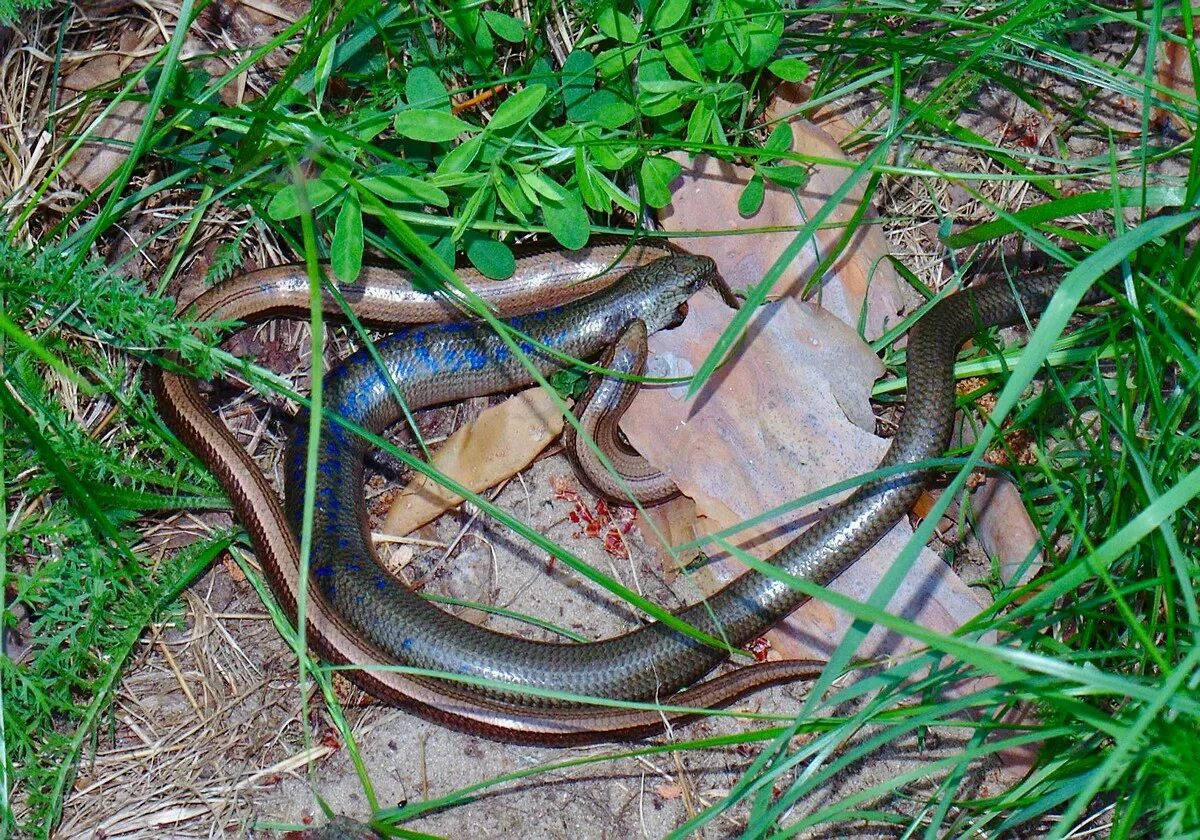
(649, 662)
(599, 411)
(450, 363)
(550, 279)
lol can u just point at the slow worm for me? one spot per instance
(360, 616)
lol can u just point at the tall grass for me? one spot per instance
(1102, 646)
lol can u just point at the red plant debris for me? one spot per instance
(607, 523)
(759, 648)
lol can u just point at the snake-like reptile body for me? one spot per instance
(365, 616)
(599, 411)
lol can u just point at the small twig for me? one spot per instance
(481, 97)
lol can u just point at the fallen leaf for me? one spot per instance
(1001, 522)
(1005, 531)
(705, 197)
(502, 441)
(791, 102)
(394, 556)
(773, 425)
(947, 523)
(675, 521)
(107, 145)
(241, 27)
(1174, 70)
(1012, 763)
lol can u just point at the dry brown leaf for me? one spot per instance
(1002, 524)
(1016, 761)
(244, 26)
(394, 555)
(98, 158)
(1005, 530)
(790, 102)
(1012, 763)
(1174, 70)
(501, 442)
(675, 520)
(771, 427)
(705, 197)
(106, 149)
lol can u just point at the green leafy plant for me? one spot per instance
(453, 129)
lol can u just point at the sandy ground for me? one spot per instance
(206, 737)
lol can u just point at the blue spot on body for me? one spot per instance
(422, 353)
(476, 358)
(451, 361)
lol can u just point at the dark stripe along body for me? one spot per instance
(444, 364)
